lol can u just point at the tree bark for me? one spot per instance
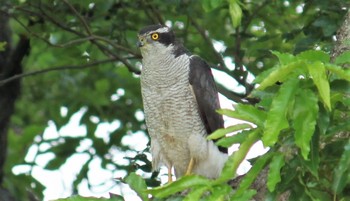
(10, 64)
(343, 38)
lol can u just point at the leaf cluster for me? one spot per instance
(299, 119)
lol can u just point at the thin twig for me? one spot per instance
(81, 18)
(57, 68)
(208, 41)
(222, 66)
(117, 46)
(99, 45)
(250, 18)
(103, 48)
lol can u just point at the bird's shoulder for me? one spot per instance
(179, 50)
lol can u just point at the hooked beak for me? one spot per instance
(141, 42)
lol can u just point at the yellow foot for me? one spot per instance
(190, 167)
(170, 177)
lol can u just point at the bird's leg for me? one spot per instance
(170, 178)
(190, 167)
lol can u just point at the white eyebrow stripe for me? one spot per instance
(163, 30)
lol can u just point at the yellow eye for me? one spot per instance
(155, 36)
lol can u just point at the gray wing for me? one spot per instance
(204, 88)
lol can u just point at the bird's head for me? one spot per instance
(155, 37)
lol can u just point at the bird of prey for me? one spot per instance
(180, 100)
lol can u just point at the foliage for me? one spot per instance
(85, 61)
(299, 155)
(79, 198)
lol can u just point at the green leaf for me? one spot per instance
(181, 184)
(318, 74)
(313, 163)
(102, 85)
(274, 175)
(253, 173)
(304, 119)
(339, 71)
(209, 5)
(196, 193)
(220, 192)
(280, 74)
(246, 113)
(223, 131)
(247, 196)
(284, 58)
(343, 58)
(342, 171)
(235, 12)
(30, 132)
(234, 139)
(79, 198)
(3, 45)
(235, 159)
(138, 184)
(277, 116)
(315, 56)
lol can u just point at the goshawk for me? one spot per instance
(180, 101)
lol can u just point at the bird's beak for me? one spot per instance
(141, 41)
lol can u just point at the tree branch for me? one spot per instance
(218, 56)
(93, 40)
(58, 68)
(343, 37)
(81, 18)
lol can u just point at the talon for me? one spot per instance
(170, 177)
(190, 167)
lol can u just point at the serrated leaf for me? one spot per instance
(319, 76)
(281, 74)
(138, 184)
(284, 58)
(274, 175)
(314, 55)
(235, 12)
(223, 131)
(277, 116)
(343, 58)
(304, 119)
(246, 113)
(342, 171)
(183, 183)
(235, 159)
(234, 139)
(253, 173)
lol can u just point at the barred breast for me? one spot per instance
(171, 111)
